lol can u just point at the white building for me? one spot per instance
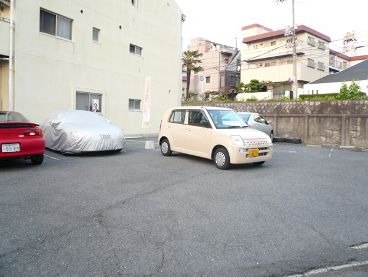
(69, 54)
(333, 82)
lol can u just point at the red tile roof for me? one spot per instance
(356, 58)
(301, 28)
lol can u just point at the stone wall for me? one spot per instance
(315, 122)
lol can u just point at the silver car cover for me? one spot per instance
(75, 131)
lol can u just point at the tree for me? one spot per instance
(190, 61)
(253, 86)
(353, 92)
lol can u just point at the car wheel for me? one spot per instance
(165, 148)
(271, 136)
(221, 158)
(259, 163)
(279, 139)
(37, 159)
(294, 140)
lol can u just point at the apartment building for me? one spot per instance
(339, 61)
(68, 54)
(221, 66)
(267, 55)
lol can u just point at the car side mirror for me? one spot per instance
(205, 123)
(267, 122)
(54, 122)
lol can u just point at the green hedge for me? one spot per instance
(309, 96)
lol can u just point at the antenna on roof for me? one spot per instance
(350, 43)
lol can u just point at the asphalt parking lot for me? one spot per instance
(138, 213)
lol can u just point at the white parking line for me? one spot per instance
(51, 157)
(360, 246)
(316, 272)
(330, 153)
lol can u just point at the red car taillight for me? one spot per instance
(160, 125)
(33, 133)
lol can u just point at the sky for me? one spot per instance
(221, 21)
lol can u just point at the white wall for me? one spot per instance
(258, 95)
(332, 87)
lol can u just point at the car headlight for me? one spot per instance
(269, 140)
(238, 140)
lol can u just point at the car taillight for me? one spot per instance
(160, 125)
(33, 133)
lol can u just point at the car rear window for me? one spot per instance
(245, 117)
(177, 116)
(12, 117)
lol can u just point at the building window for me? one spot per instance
(135, 50)
(270, 64)
(345, 65)
(88, 101)
(208, 80)
(273, 43)
(222, 81)
(96, 35)
(321, 66)
(310, 63)
(311, 41)
(321, 45)
(55, 25)
(134, 105)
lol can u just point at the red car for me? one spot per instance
(20, 139)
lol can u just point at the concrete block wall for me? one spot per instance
(342, 122)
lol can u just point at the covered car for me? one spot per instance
(75, 131)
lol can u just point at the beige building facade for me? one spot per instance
(70, 54)
(267, 55)
(216, 61)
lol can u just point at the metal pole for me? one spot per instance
(11, 56)
(295, 70)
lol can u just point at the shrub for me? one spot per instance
(353, 92)
(252, 99)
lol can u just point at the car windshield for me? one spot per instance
(245, 116)
(226, 119)
(12, 117)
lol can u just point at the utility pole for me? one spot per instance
(295, 69)
(295, 59)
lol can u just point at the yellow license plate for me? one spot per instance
(253, 153)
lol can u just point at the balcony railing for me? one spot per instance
(321, 46)
(321, 67)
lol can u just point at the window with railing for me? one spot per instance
(311, 41)
(321, 45)
(310, 63)
(321, 66)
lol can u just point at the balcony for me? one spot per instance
(272, 52)
(4, 36)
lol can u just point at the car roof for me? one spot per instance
(199, 107)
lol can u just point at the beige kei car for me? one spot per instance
(214, 133)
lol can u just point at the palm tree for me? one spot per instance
(190, 59)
